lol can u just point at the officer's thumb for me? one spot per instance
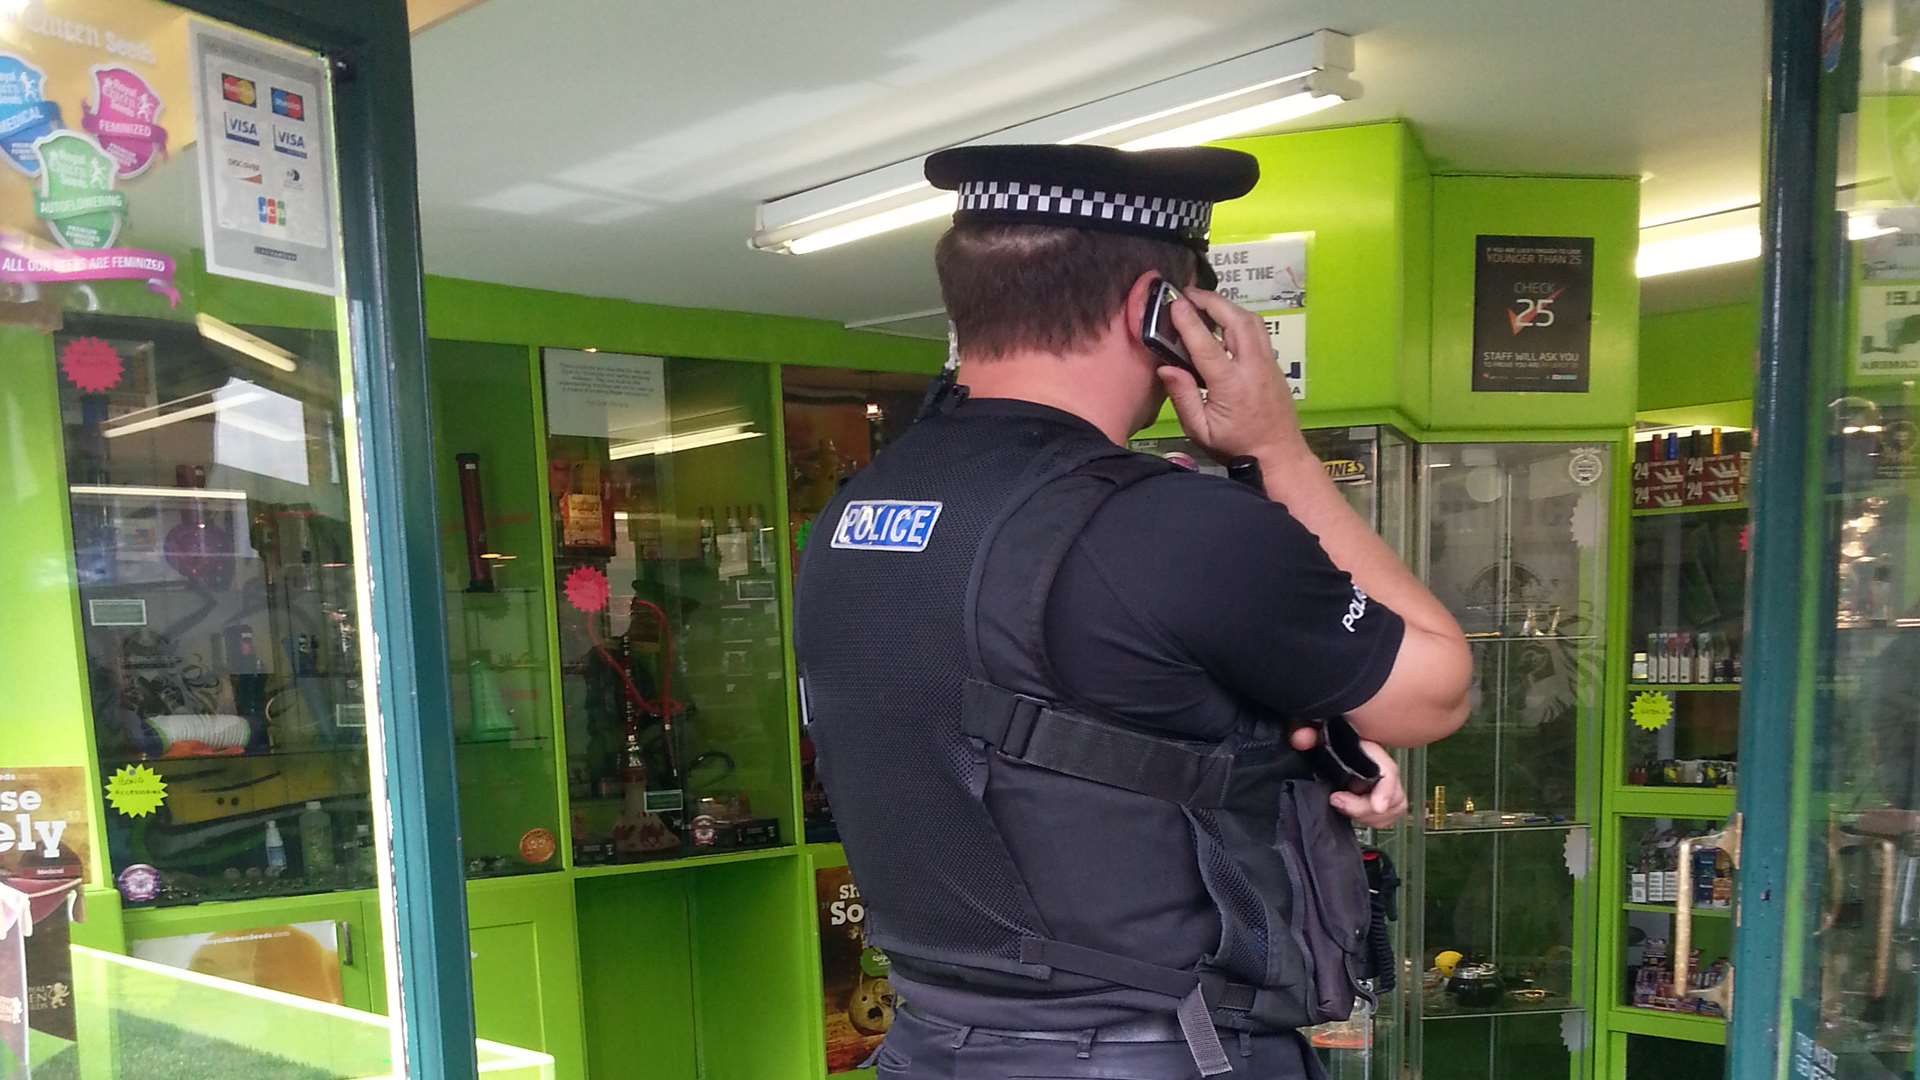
(1185, 395)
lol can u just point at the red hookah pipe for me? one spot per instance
(664, 708)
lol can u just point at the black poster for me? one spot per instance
(1532, 313)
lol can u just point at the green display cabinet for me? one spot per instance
(1671, 741)
(660, 477)
(499, 604)
(217, 603)
(1645, 910)
(526, 967)
(1514, 539)
(699, 967)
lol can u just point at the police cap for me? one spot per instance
(1160, 194)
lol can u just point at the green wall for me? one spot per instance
(1390, 277)
(1608, 210)
(1363, 193)
(1697, 357)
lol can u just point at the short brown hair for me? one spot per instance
(1041, 287)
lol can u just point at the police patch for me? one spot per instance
(886, 525)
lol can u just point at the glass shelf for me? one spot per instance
(1469, 830)
(1440, 1008)
(1725, 688)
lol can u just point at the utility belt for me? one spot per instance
(1301, 941)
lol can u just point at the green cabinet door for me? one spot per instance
(526, 967)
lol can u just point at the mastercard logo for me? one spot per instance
(238, 90)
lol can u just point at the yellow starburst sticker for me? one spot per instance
(136, 791)
(1652, 710)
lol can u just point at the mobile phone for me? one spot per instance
(1158, 333)
(1339, 759)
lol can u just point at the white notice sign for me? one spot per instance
(606, 395)
(266, 200)
(1287, 332)
(1889, 339)
(1264, 275)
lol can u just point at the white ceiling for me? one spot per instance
(618, 148)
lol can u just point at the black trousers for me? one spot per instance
(920, 1047)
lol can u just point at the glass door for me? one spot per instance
(226, 747)
(1828, 940)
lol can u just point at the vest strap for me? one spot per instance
(1198, 997)
(1063, 741)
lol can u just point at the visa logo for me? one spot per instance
(242, 130)
(886, 525)
(291, 143)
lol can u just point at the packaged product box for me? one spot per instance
(41, 875)
(1667, 482)
(853, 974)
(1642, 485)
(1725, 477)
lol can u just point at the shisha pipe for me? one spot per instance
(665, 707)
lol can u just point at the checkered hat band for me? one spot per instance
(1186, 217)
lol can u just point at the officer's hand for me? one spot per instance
(1248, 408)
(1386, 803)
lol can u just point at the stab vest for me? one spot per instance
(920, 633)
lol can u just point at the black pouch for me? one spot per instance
(1333, 908)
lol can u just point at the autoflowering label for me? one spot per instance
(77, 200)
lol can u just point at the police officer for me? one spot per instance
(1063, 693)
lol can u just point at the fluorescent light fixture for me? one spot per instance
(135, 491)
(692, 440)
(189, 413)
(1247, 93)
(259, 348)
(1731, 236)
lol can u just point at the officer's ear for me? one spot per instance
(1134, 311)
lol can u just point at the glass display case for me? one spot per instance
(835, 420)
(1372, 466)
(210, 514)
(1687, 613)
(499, 646)
(1514, 539)
(1657, 918)
(660, 476)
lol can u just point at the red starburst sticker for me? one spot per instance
(587, 589)
(1746, 534)
(91, 365)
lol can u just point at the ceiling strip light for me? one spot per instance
(1258, 90)
(225, 333)
(1731, 236)
(692, 440)
(135, 491)
(178, 415)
